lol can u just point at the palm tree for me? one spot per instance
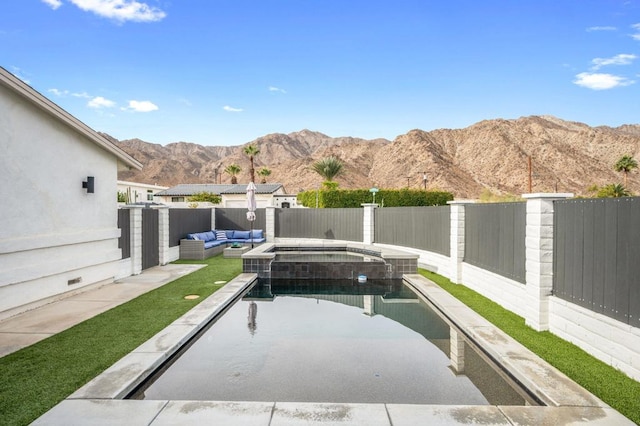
(233, 170)
(251, 151)
(613, 190)
(625, 165)
(328, 168)
(264, 173)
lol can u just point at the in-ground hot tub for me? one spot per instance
(328, 260)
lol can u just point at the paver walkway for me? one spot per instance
(29, 327)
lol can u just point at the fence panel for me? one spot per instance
(124, 242)
(495, 238)
(424, 228)
(233, 218)
(150, 238)
(596, 252)
(330, 224)
(185, 221)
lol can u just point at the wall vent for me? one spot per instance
(74, 281)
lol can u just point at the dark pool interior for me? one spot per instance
(336, 341)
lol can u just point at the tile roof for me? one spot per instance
(187, 189)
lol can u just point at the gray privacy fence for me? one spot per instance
(124, 242)
(331, 224)
(227, 218)
(424, 228)
(495, 238)
(185, 221)
(597, 256)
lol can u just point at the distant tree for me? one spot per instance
(613, 190)
(329, 168)
(264, 173)
(122, 197)
(205, 197)
(251, 151)
(233, 170)
(625, 165)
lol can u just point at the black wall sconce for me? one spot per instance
(89, 184)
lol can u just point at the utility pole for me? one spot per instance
(530, 173)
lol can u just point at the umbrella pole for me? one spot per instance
(251, 233)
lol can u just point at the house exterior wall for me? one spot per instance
(55, 237)
(235, 201)
(140, 191)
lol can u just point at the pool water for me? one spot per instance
(323, 342)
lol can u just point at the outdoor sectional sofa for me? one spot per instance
(201, 245)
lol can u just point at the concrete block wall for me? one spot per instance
(506, 292)
(611, 341)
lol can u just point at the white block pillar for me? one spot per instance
(456, 249)
(270, 224)
(539, 257)
(456, 354)
(213, 218)
(163, 235)
(135, 235)
(368, 225)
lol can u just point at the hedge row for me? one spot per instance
(384, 197)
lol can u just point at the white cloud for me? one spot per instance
(81, 95)
(598, 81)
(100, 102)
(54, 4)
(621, 59)
(231, 109)
(141, 106)
(58, 92)
(121, 10)
(606, 28)
(636, 36)
(276, 89)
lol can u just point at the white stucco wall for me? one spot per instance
(139, 191)
(52, 230)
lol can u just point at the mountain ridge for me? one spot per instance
(490, 155)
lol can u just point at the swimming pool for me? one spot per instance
(340, 342)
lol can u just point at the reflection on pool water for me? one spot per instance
(319, 341)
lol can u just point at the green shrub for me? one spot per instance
(384, 197)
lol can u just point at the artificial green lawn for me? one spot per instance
(607, 383)
(36, 378)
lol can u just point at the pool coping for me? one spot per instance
(100, 400)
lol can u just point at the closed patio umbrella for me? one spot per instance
(251, 206)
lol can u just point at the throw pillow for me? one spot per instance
(221, 235)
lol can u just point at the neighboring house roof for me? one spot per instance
(21, 88)
(189, 189)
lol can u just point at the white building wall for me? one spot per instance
(52, 230)
(139, 191)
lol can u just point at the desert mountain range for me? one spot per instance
(489, 155)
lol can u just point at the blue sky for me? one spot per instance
(224, 72)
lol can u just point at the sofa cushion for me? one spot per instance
(257, 234)
(241, 235)
(230, 233)
(221, 235)
(213, 243)
(211, 236)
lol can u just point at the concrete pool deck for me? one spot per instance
(99, 401)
